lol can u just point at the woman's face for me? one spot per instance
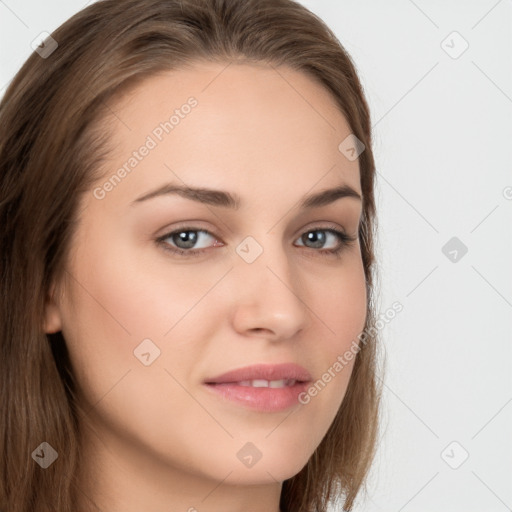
(146, 327)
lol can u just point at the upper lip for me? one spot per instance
(269, 372)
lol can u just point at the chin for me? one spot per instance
(279, 467)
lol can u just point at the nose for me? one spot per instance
(268, 298)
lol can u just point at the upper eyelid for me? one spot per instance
(191, 227)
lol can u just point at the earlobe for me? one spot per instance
(52, 318)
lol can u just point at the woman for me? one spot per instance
(188, 219)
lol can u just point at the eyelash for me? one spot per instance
(345, 241)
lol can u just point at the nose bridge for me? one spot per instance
(268, 291)
(263, 259)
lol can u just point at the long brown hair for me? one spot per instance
(51, 149)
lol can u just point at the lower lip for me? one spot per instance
(260, 399)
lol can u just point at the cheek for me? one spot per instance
(342, 304)
(342, 308)
(117, 299)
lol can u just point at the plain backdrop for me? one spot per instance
(438, 78)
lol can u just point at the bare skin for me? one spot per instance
(156, 439)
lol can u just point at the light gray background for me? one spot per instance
(443, 147)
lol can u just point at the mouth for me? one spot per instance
(264, 388)
(262, 383)
(259, 374)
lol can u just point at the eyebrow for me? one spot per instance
(233, 201)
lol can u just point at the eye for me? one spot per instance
(338, 240)
(184, 240)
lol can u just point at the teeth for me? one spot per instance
(278, 383)
(261, 383)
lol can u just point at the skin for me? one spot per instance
(155, 439)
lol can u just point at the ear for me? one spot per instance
(52, 316)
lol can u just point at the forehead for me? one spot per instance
(250, 126)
